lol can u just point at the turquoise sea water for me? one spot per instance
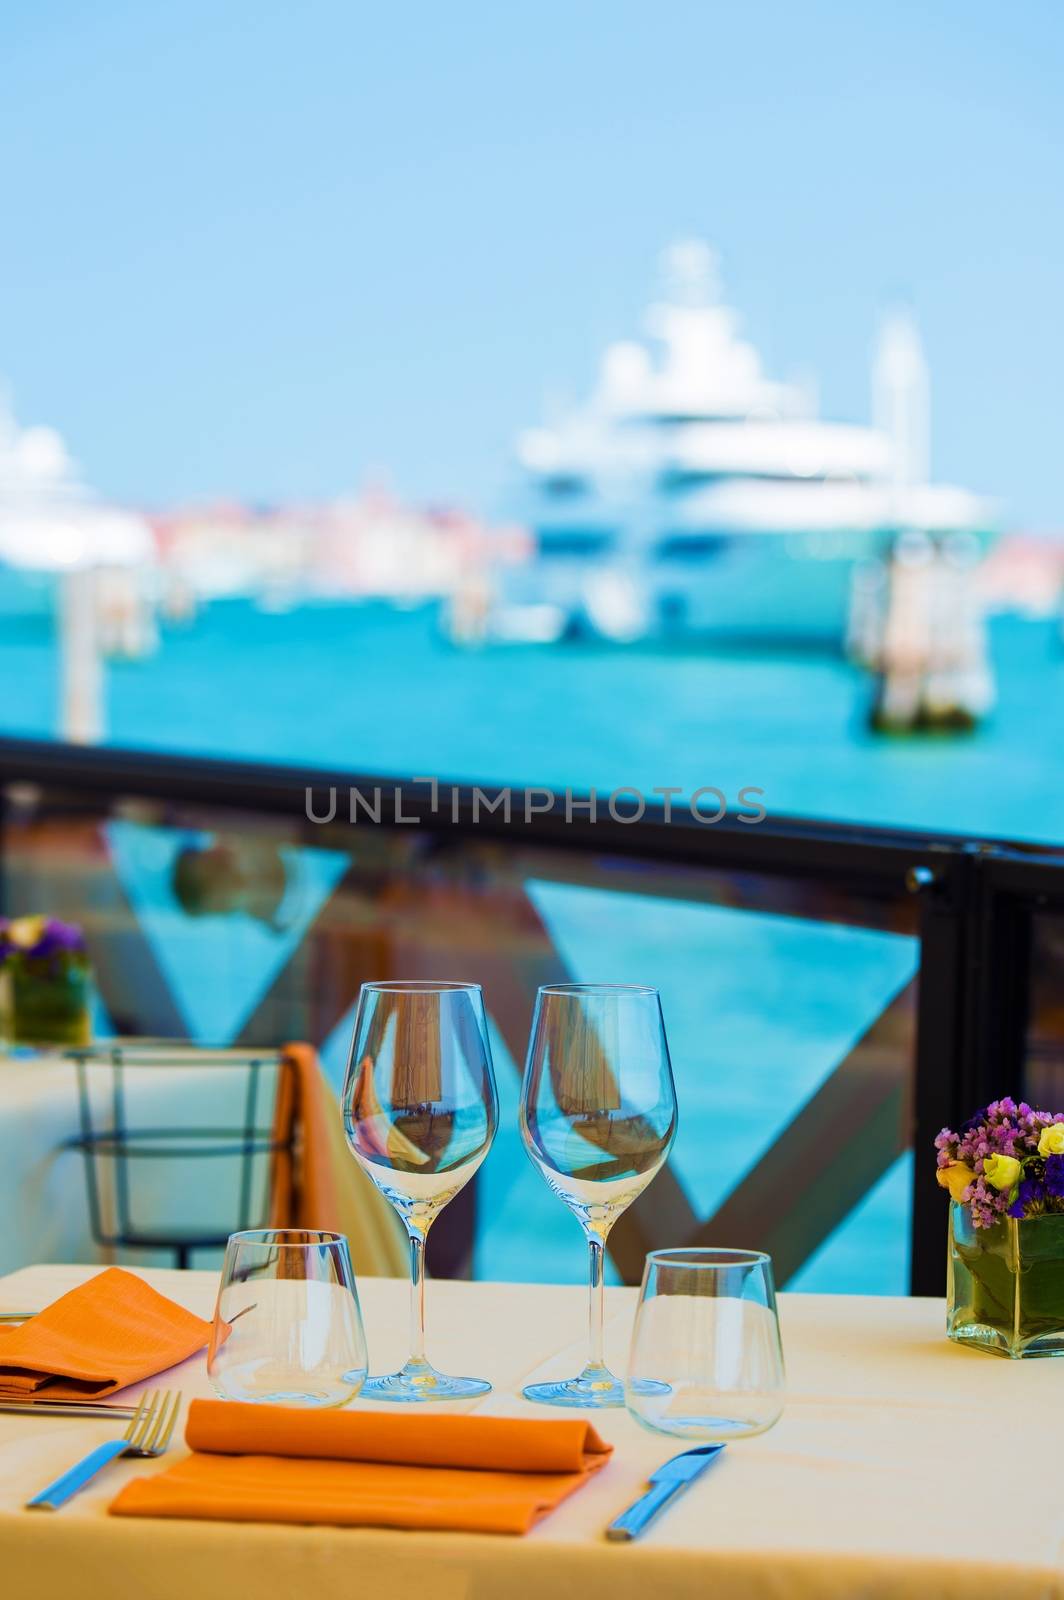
(760, 1007)
(370, 688)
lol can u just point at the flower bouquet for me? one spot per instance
(47, 980)
(1005, 1174)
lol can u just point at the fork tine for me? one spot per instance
(134, 1421)
(150, 1441)
(137, 1442)
(167, 1433)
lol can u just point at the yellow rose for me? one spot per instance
(1051, 1140)
(25, 932)
(1001, 1171)
(956, 1178)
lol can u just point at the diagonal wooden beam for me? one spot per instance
(339, 951)
(844, 1138)
(661, 1216)
(415, 929)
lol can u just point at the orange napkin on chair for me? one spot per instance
(302, 1183)
(353, 1468)
(314, 1180)
(109, 1332)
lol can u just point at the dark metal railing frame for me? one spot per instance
(976, 898)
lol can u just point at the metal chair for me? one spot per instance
(125, 1209)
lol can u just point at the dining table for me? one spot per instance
(902, 1465)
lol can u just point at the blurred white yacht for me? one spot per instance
(693, 495)
(51, 525)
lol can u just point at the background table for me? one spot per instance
(44, 1182)
(902, 1466)
(44, 1179)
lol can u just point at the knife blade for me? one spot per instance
(667, 1482)
(64, 1408)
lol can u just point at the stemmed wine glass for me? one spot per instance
(420, 1113)
(598, 1114)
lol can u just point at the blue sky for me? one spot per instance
(264, 249)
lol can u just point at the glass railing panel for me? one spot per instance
(789, 1003)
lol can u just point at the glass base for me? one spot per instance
(1002, 1342)
(298, 1397)
(338, 1390)
(421, 1382)
(595, 1387)
(581, 1391)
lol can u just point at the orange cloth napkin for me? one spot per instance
(107, 1333)
(314, 1180)
(302, 1186)
(352, 1468)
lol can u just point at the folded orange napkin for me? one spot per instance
(113, 1330)
(352, 1468)
(302, 1184)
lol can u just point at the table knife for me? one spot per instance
(667, 1482)
(64, 1408)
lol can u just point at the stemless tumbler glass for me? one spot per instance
(287, 1326)
(420, 1112)
(706, 1360)
(598, 1114)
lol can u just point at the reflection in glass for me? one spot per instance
(598, 1114)
(287, 1326)
(706, 1360)
(420, 1113)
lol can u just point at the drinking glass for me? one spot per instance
(420, 1112)
(287, 1326)
(598, 1114)
(706, 1360)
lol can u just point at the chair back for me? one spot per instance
(180, 1141)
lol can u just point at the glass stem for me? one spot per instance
(597, 1361)
(417, 1356)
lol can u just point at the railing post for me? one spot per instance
(941, 1046)
(1000, 977)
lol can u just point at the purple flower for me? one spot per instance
(1055, 1176)
(36, 939)
(1004, 1128)
(1030, 1194)
(59, 938)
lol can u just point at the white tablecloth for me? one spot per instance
(43, 1182)
(902, 1466)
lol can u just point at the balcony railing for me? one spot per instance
(834, 993)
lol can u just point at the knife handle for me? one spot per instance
(641, 1513)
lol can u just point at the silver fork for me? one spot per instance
(148, 1434)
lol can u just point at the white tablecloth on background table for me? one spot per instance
(903, 1465)
(42, 1183)
(42, 1180)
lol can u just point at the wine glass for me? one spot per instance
(420, 1112)
(598, 1114)
(706, 1360)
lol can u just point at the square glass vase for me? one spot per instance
(1005, 1290)
(49, 1008)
